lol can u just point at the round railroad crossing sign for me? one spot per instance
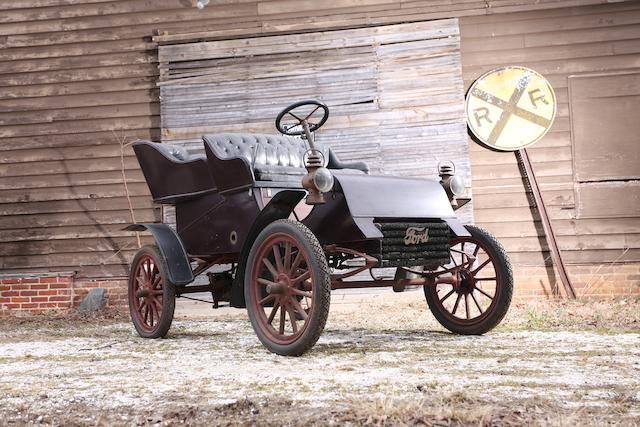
(510, 108)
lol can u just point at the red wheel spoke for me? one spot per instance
(447, 295)
(485, 278)
(152, 313)
(464, 254)
(282, 319)
(302, 293)
(278, 259)
(146, 313)
(292, 319)
(148, 270)
(157, 292)
(476, 301)
(466, 306)
(266, 299)
(453, 260)
(301, 311)
(270, 267)
(455, 306)
(458, 251)
(266, 282)
(156, 312)
(274, 310)
(484, 293)
(158, 305)
(474, 272)
(296, 262)
(475, 251)
(157, 281)
(287, 256)
(300, 278)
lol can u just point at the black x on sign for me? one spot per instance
(510, 108)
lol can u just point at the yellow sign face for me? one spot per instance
(510, 108)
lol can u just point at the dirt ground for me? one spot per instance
(383, 360)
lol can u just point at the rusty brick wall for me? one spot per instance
(25, 295)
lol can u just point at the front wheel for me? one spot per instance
(472, 293)
(287, 288)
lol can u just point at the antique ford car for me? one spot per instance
(277, 221)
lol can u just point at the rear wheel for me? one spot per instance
(473, 295)
(287, 288)
(151, 294)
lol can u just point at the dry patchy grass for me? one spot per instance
(383, 362)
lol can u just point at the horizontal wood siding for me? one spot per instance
(558, 44)
(78, 76)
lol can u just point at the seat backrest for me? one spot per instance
(175, 153)
(171, 173)
(261, 149)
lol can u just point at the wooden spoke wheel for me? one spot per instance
(472, 293)
(151, 295)
(287, 288)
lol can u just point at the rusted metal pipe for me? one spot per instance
(356, 284)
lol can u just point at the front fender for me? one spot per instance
(172, 250)
(369, 197)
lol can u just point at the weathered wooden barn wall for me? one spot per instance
(394, 93)
(567, 46)
(78, 78)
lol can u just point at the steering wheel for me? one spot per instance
(293, 119)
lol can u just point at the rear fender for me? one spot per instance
(172, 250)
(279, 207)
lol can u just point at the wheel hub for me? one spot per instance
(466, 282)
(281, 286)
(276, 288)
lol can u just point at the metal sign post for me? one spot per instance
(508, 109)
(556, 256)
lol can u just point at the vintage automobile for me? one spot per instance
(291, 222)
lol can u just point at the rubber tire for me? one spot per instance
(504, 293)
(321, 283)
(168, 299)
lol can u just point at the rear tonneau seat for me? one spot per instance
(173, 174)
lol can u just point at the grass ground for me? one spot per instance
(382, 360)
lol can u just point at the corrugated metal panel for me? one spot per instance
(77, 77)
(558, 44)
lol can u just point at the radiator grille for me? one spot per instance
(411, 244)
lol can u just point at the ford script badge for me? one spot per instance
(416, 235)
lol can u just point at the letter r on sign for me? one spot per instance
(481, 113)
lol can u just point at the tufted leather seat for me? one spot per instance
(272, 157)
(239, 160)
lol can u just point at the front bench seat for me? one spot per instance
(238, 160)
